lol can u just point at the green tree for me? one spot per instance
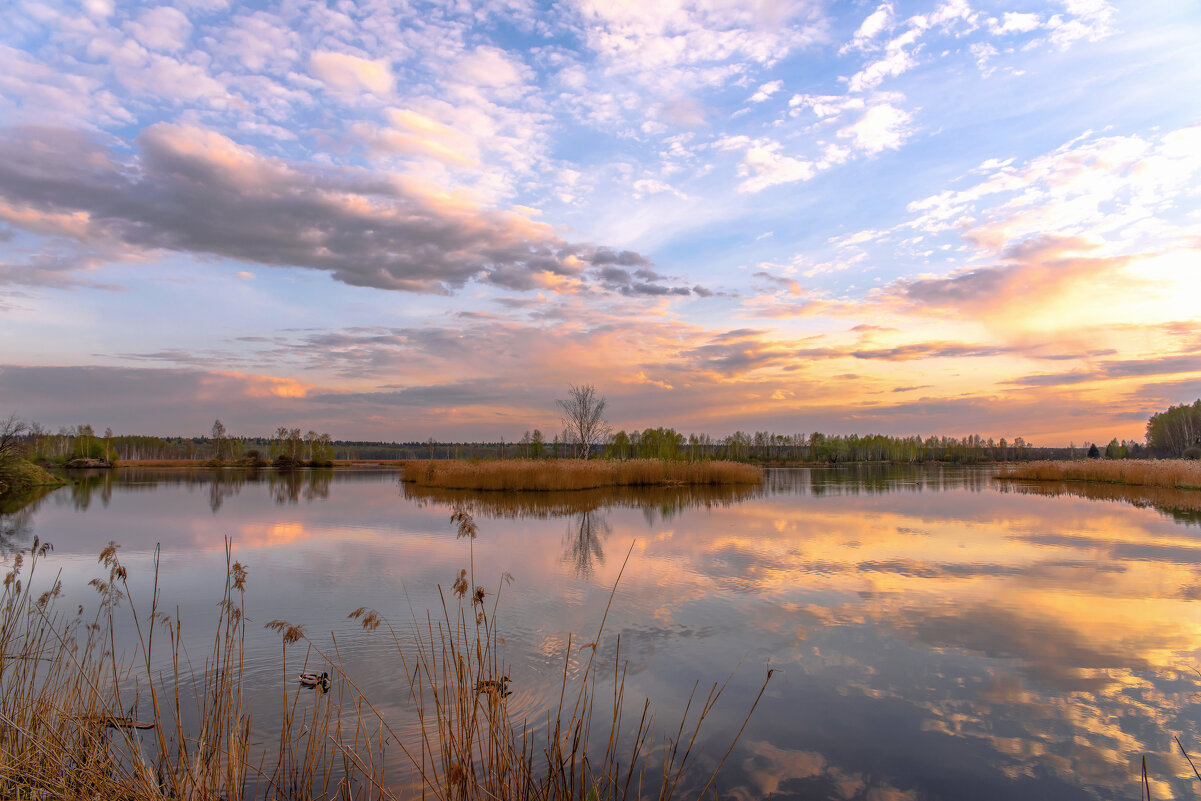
(1171, 431)
(537, 445)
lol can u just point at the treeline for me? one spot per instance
(1177, 431)
(768, 447)
(290, 445)
(1174, 433)
(286, 446)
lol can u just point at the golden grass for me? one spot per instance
(575, 474)
(71, 728)
(1177, 473)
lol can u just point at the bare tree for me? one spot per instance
(584, 417)
(218, 436)
(12, 432)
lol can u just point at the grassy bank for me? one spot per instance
(19, 477)
(1177, 473)
(73, 728)
(576, 474)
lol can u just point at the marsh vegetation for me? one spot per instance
(575, 474)
(82, 718)
(1172, 473)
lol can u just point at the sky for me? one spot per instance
(391, 220)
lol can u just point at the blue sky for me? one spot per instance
(393, 220)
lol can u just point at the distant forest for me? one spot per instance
(664, 443)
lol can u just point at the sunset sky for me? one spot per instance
(395, 221)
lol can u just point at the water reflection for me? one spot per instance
(1183, 506)
(583, 549)
(938, 635)
(16, 521)
(221, 484)
(656, 503)
(289, 486)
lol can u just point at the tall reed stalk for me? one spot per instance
(72, 727)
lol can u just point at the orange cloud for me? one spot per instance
(267, 386)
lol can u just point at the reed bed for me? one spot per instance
(542, 475)
(1176, 473)
(71, 727)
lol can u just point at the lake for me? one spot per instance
(934, 634)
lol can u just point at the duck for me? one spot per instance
(315, 680)
(494, 687)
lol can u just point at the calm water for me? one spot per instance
(935, 635)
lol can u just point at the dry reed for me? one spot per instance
(71, 728)
(1177, 473)
(575, 474)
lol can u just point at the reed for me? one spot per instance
(71, 727)
(1177, 473)
(575, 474)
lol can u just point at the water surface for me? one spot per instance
(935, 634)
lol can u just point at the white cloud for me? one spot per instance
(898, 59)
(1090, 20)
(1121, 190)
(1014, 22)
(825, 106)
(873, 25)
(491, 67)
(882, 127)
(653, 186)
(763, 166)
(351, 74)
(161, 28)
(766, 91)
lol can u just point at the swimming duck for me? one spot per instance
(315, 680)
(494, 687)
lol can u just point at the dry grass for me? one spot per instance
(1177, 473)
(575, 474)
(71, 728)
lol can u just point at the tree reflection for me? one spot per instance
(582, 542)
(655, 502)
(16, 515)
(289, 486)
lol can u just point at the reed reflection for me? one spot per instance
(1182, 505)
(656, 503)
